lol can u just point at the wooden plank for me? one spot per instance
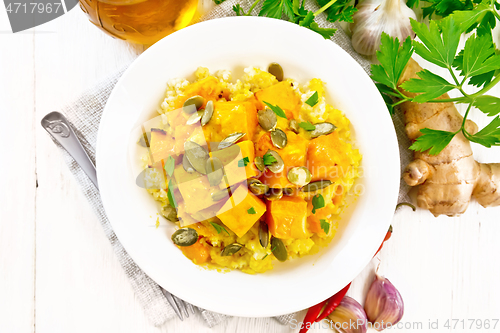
(18, 181)
(80, 285)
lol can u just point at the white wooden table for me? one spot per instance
(58, 272)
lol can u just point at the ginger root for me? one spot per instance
(446, 181)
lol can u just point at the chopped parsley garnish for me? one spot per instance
(169, 166)
(325, 226)
(269, 159)
(318, 202)
(219, 228)
(243, 162)
(276, 109)
(251, 211)
(307, 126)
(272, 250)
(313, 100)
(170, 194)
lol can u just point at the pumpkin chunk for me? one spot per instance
(327, 159)
(283, 95)
(237, 213)
(198, 252)
(234, 159)
(287, 218)
(293, 155)
(162, 145)
(209, 88)
(194, 189)
(231, 117)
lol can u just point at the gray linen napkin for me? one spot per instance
(85, 114)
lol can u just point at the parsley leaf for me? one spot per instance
(307, 126)
(218, 2)
(325, 226)
(251, 211)
(276, 109)
(219, 228)
(439, 42)
(243, 162)
(238, 10)
(488, 104)
(169, 166)
(307, 20)
(479, 56)
(269, 159)
(482, 79)
(435, 140)
(318, 202)
(393, 59)
(489, 135)
(445, 7)
(470, 18)
(170, 194)
(327, 33)
(429, 84)
(313, 100)
(276, 9)
(413, 3)
(341, 10)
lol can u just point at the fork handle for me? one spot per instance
(56, 124)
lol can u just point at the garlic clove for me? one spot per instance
(383, 305)
(376, 16)
(349, 317)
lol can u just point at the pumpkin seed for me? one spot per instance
(278, 138)
(299, 176)
(277, 166)
(276, 70)
(145, 139)
(186, 165)
(197, 101)
(257, 188)
(169, 213)
(185, 237)
(214, 171)
(230, 140)
(289, 191)
(322, 129)
(219, 195)
(294, 126)
(208, 113)
(267, 119)
(274, 194)
(279, 249)
(231, 249)
(253, 180)
(196, 155)
(195, 117)
(263, 234)
(259, 163)
(314, 186)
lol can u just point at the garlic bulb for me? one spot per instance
(376, 16)
(349, 317)
(383, 305)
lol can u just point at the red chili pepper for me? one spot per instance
(333, 302)
(311, 315)
(386, 238)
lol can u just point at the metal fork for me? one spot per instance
(58, 127)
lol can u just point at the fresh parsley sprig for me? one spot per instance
(478, 65)
(295, 11)
(469, 14)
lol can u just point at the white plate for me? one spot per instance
(236, 43)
